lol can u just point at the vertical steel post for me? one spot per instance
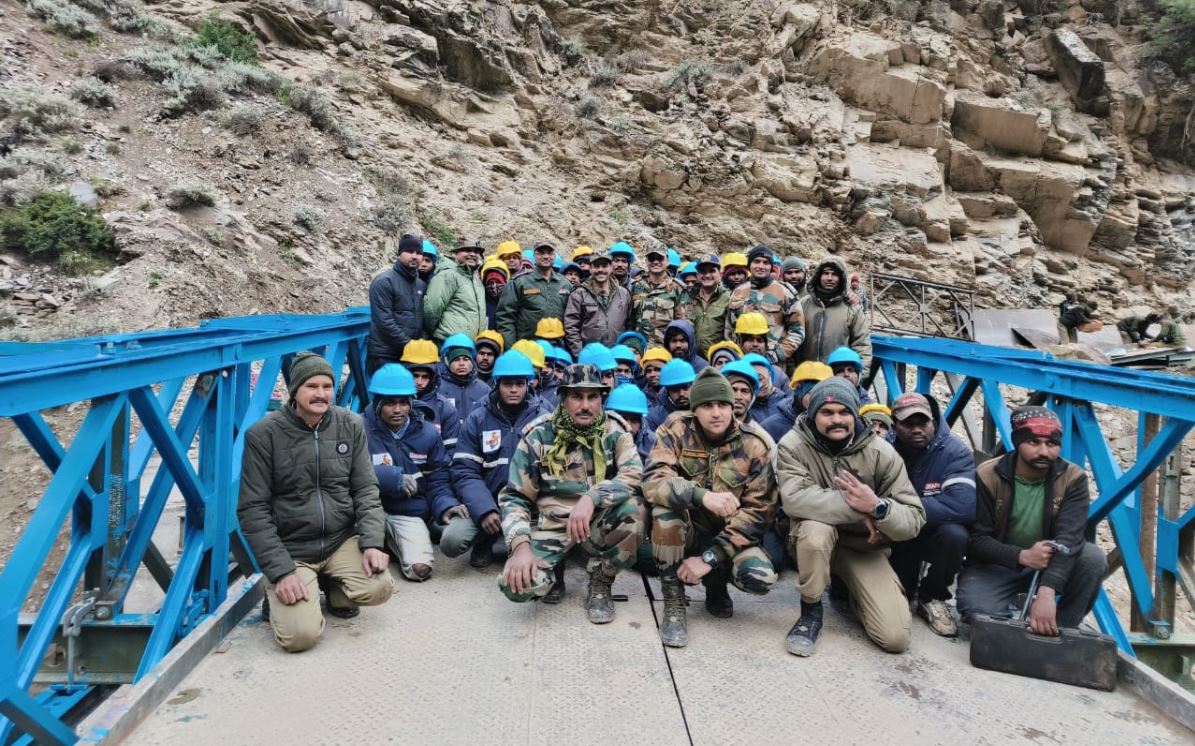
(1165, 581)
(1147, 539)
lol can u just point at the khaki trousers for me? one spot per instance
(876, 593)
(298, 626)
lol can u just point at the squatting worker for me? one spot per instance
(309, 509)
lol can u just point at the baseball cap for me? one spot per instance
(907, 405)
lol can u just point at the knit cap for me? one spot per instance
(304, 366)
(833, 391)
(760, 250)
(1034, 422)
(710, 386)
(793, 262)
(410, 243)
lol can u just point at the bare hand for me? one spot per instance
(491, 524)
(858, 496)
(454, 512)
(1038, 556)
(692, 570)
(374, 561)
(519, 572)
(1043, 613)
(578, 519)
(290, 590)
(852, 298)
(873, 534)
(723, 504)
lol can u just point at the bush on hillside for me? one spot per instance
(1172, 33)
(232, 41)
(93, 92)
(54, 227)
(66, 18)
(37, 113)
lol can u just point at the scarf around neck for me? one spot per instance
(569, 434)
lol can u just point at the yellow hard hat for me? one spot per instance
(734, 259)
(875, 407)
(495, 264)
(725, 344)
(811, 370)
(549, 328)
(492, 336)
(506, 248)
(658, 354)
(752, 323)
(532, 350)
(420, 352)
(581, 251)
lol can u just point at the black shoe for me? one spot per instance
(482, 555)
(265, 608)
(803, 635)
(556, 594)
(347, 612)
(717, 598)
(598, 601)
(674, 632)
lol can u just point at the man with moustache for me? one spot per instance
(395, 306)
(598, 310)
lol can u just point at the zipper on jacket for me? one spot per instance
(323, 527)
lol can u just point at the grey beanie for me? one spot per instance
(304, 366)
(834, 390)
(793, 262)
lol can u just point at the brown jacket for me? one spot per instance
(587, 320)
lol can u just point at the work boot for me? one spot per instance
(340, 612)
(556, 592)
(674, 632)
(482, 555)
(803, 635)
(937, 614)
(598, 602)
(717, 598)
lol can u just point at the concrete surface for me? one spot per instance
(452, 661)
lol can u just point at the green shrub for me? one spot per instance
(33, 160)
(311, 102)
(687, 72)
(243, 120)
(233, 42)
(391, 216)
(182, 196)
(308, 218)
(432, 226)
(54, 227)
(192, 89)
(93, 92)
(1172, 33)
(603, 75)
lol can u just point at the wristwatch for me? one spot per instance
(710, 557)
(880, 511)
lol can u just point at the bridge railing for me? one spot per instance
(1152, 536)
(155, 393)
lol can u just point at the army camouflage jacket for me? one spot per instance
(780, 306)
(682, 468)
(654, 307)
(534, 498)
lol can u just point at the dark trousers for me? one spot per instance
(775, 544)
(942, 547)
(991, 589)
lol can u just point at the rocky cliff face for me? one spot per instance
(1020, 147)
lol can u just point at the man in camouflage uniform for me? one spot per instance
(532, 296)
(573, 480)
(775, 300)
(712, 487)
(656, 299)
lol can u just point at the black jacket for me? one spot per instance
(1064, 516)
(395, 311)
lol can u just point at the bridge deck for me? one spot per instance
(452, 661)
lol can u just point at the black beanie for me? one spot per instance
(1034, 422)
(760, 250)
(410, 243)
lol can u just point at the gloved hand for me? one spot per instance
(410, 485)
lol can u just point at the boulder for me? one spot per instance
(1061, 198)
(788, 178)
(859, 70)
(1079, 69)
(885, 167)
(1000, 123)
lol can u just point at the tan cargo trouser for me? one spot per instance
(876, 593)
(298, 626)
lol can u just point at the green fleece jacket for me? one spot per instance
(455, 302)
(305, 491)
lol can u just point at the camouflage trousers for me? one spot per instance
(615, 533)
(674, 537)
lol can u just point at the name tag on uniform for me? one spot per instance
(382, 459)
(693, 454)
(491, 440)
(419, 458)
(532, 291)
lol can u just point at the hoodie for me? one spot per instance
(419, 451)
(830, 321)
(660, 411)
(684, 325)
(943, 474)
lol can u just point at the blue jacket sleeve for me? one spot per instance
(955, 472)
(467, 472)
(389, 481)
(450, 429)
(438, 485)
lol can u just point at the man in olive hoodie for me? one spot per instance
(833, 317)
(849, 497)
(309, 508)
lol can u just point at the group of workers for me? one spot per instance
(700, 422)
(1077, 314)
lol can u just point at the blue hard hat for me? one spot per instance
(754, 358)
(513, 364)
(547, 347)
(558, 264)
(622, 247)
(529, 255)
(622, 353)
(842, 355)
(744, 369)
(673, 258)
(627, 398)
(458, 340)
(392, 379)
(688, 268)
(677, 373)
(429, 248)
(596, 353)
(776, 259)
(560, 355)
(626, 337)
